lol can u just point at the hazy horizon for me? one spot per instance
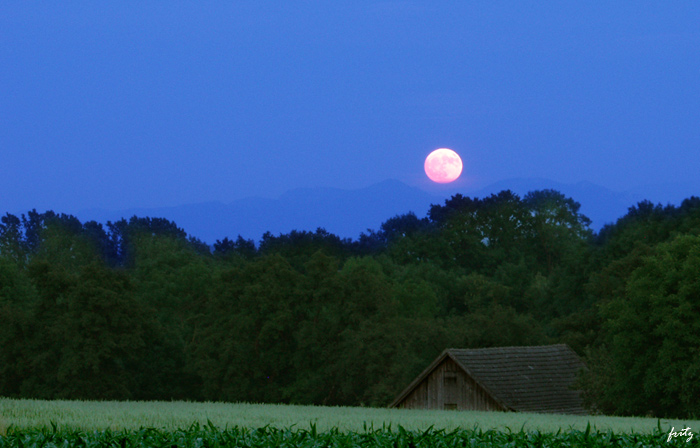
(129, 105)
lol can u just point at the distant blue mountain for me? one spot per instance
(348, 213)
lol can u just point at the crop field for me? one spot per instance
(25, 423)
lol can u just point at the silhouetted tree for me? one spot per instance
(241, 246)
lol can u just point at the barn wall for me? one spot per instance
(449, 387)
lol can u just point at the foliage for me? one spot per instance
(210, 436)
(653, 334)
(137, 309)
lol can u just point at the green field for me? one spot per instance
(95, 415)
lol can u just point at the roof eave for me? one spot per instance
(419, 378)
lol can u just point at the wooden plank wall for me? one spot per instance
(449, 387)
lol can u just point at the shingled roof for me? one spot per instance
(523, 379)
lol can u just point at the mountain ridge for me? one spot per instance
(348, 213)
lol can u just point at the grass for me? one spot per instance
(170, 416)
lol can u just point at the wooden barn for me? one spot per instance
(522, 379)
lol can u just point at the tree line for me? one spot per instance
(137, 309)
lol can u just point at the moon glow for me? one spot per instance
(443, 166)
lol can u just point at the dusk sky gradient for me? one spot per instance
(127, 104)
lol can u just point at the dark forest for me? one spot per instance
(137, 309)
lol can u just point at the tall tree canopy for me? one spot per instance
(138, 309)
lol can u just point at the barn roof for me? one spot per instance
(524, 379)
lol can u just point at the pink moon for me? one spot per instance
(443, 166)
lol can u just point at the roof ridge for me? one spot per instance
(562, 345)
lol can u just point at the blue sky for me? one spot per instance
(149, 104)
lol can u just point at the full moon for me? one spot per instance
(443, 166)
